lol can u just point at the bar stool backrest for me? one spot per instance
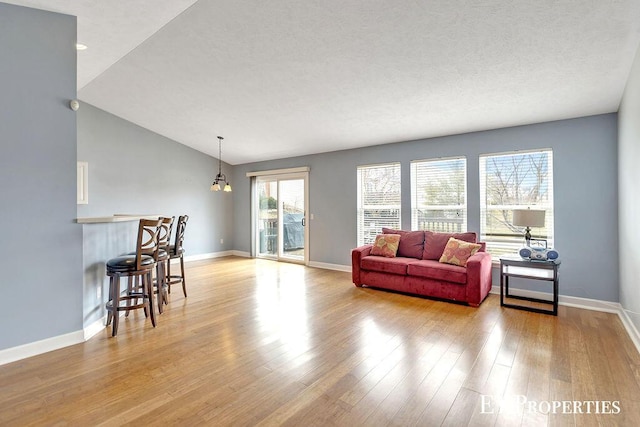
(182, 224)
(165, 232)
(147, 244)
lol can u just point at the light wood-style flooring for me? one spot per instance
(265, 343)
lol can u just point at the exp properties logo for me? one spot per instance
(493, 405)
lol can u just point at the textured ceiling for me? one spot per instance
(282, 78)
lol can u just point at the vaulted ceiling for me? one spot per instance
(282, 78)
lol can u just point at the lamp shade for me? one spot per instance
(528, 218)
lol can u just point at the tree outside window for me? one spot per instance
(511, 181)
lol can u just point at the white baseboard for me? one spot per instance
(209, 255)
(569, 301)
(586, 304)
(95, 327)
(326, 266)
(212, 255)
(630, 327)
(241, 254)
(38, 347)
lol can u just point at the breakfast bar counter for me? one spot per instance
(103, 238)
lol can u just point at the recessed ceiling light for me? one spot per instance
(80, 46)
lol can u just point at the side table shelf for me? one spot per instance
(515, 266)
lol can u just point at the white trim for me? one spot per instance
(96, 327)
(630, 327)
(241, 254)
(278, 171)
(326, 266)
(375, 165)
(38, 347)
(209, 255)
(515, 152)
(569, 301)
(585, 304)
(307, 226)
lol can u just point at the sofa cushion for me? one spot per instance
(386, 245)
(396, 265)
(457, 252)
(435, 270)
(411, 242)
(434, 243)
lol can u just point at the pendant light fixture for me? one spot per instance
(220, 178)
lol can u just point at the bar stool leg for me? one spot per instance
(184, 284)
(115, 301)
(130, 290)
(160, 285)
(148, 286)
(165, 284)
(110, 312)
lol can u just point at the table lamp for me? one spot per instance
(528, 218)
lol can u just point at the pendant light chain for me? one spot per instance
(219, 156)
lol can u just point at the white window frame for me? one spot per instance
(503, 239)
(419, 179)
(366, 229)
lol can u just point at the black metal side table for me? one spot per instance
(515, 266)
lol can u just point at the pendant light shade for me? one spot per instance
(220, 177)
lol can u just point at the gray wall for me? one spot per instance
(585, 190)
(41, 250)
(135, 171)
(629, 181)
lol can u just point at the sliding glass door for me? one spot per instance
(281, 224)
(267, 217)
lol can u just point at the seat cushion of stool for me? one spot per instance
(128, 262)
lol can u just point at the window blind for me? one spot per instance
(439, 195)
(511, 181)
(378, 200)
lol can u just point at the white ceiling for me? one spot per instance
(283, 78)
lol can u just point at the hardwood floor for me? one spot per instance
(265, 343)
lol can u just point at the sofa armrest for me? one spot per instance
(356, 257)
(478, 277)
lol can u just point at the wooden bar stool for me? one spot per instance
(139, 265)
(177, 251)
(160, 281)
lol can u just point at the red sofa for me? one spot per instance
(416, 269)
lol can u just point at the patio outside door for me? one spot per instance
(281, 217)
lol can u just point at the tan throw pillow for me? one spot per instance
(457, 252)
(386, 245)
(434, 242)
